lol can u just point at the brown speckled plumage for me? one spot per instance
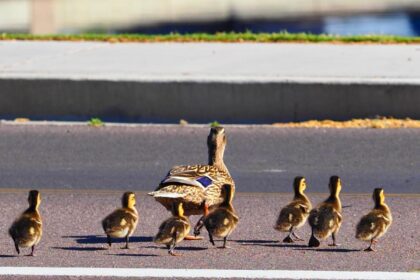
(326, 219)
(122, 222)
(181, 183)
(174, 229)
(375, 224)
(222, 221)
(294, 214)
(26, 231)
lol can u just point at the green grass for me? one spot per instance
(220, 37)
(96, 122)
(214, 124)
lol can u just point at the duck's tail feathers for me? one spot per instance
(166, 194)
(284, 221)
(322, 223)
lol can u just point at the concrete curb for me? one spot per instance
(204, 101)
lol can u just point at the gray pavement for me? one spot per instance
(73, 236)
(202, 82)
(260, 158)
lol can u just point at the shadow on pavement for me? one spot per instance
(99, 239)
(8, 256)
(255, 241)
(179, 248)
(269, 243)
(80, 248)
(286, 245)
(133, 255)
(337, 250)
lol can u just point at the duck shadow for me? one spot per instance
(88, 249)
(100, 239)
(179, 248)
(8, 256)
(255, 241)
(269, 243)
(286, 245)
(336, 250)
(133, 255)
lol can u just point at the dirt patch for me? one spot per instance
(356, 123)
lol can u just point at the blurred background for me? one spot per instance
(343, 17)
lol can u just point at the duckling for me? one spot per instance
(123, 221)
(222, 221)
(294, 214)
(376, 223)
(26, 231)
(326, 219)
(173, 230)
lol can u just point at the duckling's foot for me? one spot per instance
(369, 249)
(313, 242)
(288, 239)
(334, 244)
(125, 247)
(192, 237)
(175, 254)
(32, 254)
(109, 241)
(17, 248)
(297, 238)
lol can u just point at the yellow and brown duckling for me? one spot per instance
(222, 221)
(122, 222)
(173, 230)
(326, 218)
(294, 214)
(376, 223)
(26, 231)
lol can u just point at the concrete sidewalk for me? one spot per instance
(201, 82)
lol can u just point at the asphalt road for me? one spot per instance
(261, 159)
(73, 236)
(82, 172)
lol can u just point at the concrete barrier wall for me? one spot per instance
(203, 102)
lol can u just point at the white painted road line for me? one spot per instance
(203, 273)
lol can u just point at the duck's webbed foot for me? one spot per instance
(288, 239)
(313, 242)
(32, 254)
(370, 248)
(198, 227)
(334, 244)
(192, 237)
(297, 238)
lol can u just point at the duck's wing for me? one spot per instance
(372, 225)
(201, 176)
(118, 220)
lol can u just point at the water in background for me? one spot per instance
(401, 23)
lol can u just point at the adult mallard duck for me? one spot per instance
(26, 231)
(193, 184)
(376, 223)
(123, 221)
(221, 221)
(326, 219)
(294, 214)
(173, 230)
